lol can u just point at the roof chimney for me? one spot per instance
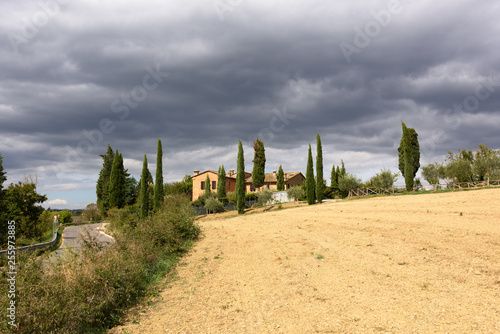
(274, 172)
(231, 172)
(196, 172)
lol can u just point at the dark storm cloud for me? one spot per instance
(95, 73)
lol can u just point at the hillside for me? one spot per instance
(426, 263)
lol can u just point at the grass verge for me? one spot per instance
(89, 292)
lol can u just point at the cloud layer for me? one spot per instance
(201, 76)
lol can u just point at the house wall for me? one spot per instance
(197, 191)
(295, 181)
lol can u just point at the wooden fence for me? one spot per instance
(461, 185)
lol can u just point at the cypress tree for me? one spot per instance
(342, 170)
(334, 178)
(310, 182)
(240, 180)
(117, 182)
(144, 194)
(409, 155)
(207, 186)
(159, 192)
(221, 183)
(280, 179)
(320, 186)
(259, 164)
(3, 178)
(338, 175)
(102, 187)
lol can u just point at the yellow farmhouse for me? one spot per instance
(292, 179)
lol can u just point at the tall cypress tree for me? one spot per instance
(240, 180)
(409, 155)
(3, 178)
(320, 186)
(221, 183)
(280, 179)
(334, 178)
(259, 164)
(102, 187)
(144, 194)
(342, 171)
(310, 182)
(159, 192)
(117, 182)
(207, 186)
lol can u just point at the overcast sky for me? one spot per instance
(201, 75)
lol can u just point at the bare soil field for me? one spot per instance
(401, 264)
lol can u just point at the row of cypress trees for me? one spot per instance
(314, 186)
(115, 188)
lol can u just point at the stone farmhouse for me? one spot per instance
(292, 179)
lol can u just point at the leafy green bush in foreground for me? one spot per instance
(89, 292)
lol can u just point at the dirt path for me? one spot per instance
(407, 264)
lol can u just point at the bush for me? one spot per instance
(89, 292)
(231, 197)
(296, 193)
(251, 197)
(214, 205)
(264, 197)
(64, 217)
(347, 183)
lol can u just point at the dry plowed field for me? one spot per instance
(402, 264)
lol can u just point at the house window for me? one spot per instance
(202, 185)
(214, 185)
(267, 186)
(288, 186)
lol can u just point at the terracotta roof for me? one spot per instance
(247, 174)
(272, 177)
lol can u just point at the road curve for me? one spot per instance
(72, 240)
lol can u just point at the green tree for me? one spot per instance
(459, 166)
(65, 217)
(208, 191)
(3, 214)
(240, 180)
(91, 212)
(21, 204)
(221, 183)
(280, 179)
(212, 204)
(384, 180)
(259, 164)
(334, 182)
(320, 185)
(131, 190)
(341, 171)
(295, 192)
(102, 187)
(158, 192)
(144, 194)
(310, 182)
(117, 182)
(264, 197)
(432, 173)
(409, 155)
(347, 183)
(486, 163)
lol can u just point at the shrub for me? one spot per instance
(214, 205)
(296, 193)
(65, 217)
(347, 183)
(89, 292)
(264, 197)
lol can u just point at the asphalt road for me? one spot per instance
(72, 240)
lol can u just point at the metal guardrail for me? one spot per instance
(34, 247)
